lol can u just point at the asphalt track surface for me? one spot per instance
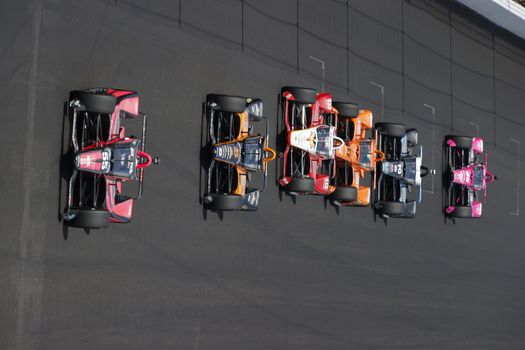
(290, 276)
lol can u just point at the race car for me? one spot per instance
(236, 153)
(308, 160)
(104, 157)
(357, 156)
(399, 172)
(466, 176)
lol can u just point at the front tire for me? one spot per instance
(302, 95)
(391, 129)
(95, 102)
(90, 219)
(462, 212)
(300, 185)
(224, 202)
(226, 103)
(464, 142)
(391, 208)
(343, 194)
(346, 109)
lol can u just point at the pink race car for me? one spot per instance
(466, 176)
(311, 142)
(104, 157)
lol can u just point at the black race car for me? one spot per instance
(399, 172)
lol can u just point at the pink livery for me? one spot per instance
(466, 176)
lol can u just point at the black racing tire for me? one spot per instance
(391, 129)
(343, 194)
(301, 94)
(461, 141)
(346, 109)
(225, 202)
(95, 102)
(90, 219)
(391, 208)
(226, 103)
(462, 212)
(300, 185)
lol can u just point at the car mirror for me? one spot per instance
(255, 109)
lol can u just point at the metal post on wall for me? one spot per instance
(180, 13)
(382, 88)
(322, 68)
(242, 25)
(476, 126)
(517, 212)
(433, 109)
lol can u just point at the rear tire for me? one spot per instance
(90, 219)
(95, 102)
(391, 129)
(300, 185)
(346, 109)
(343, 194)
(231, 104)
(391, 208)
(460, 141)
(225, 202)
(462, 212)
(302, 95)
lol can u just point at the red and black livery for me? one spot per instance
(104, 157)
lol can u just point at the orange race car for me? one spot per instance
(236, 152)
(357, 156)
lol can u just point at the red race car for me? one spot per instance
(104, 157)
(311, 142)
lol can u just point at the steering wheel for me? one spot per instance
(144, 160)
(271, 152)
(489, 177)
(380, 155)
(338, 143)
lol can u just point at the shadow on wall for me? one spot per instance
(439, 11)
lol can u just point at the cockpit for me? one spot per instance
(127, 159)
(253, 153)
(124, 159)
(478, 172)
(365, 156)
(413, 170)
(250, 153)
